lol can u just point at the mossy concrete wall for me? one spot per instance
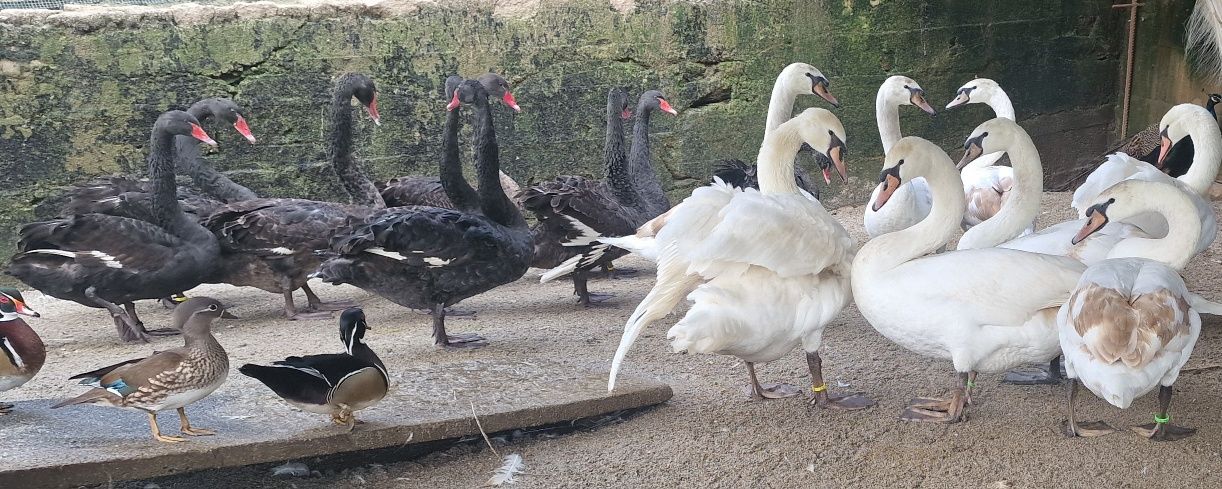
(79, 90)
(1162, 75)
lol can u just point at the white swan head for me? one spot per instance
(804, 79)
(977, 91)
(1177, 123)
(901, 90)
(1130, 198)
(992, 136)
(911, 157)
(823, 132)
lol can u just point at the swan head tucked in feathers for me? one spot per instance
(911, 157)
(992, 136)
(804, 79)
(901, 90)
(977, 91)
(1177, 123)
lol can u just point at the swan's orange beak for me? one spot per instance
(918, 98)
(198, 133)
(665, 107)
(510, 101)
(373, 111)
(890, 182)
(820, 89)
(244, 129)
(1095, 220)
(961, 98)
(970, 154)
(454, 103)
(1164, 147)
(836, 153)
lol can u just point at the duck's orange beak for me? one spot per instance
(22, 309)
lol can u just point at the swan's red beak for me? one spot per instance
(22, 309)
(665, 106)
(509, 100)
(1164, 147)
(244, 129)
(827, 176)
(373, 111)
(625, 114)
(454, 103)
(198, 133)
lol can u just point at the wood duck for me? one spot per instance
(169, 379)
(23, 350)
(336, 384)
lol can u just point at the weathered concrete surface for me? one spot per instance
(90, 445)
(1162, 75)
(79, 90)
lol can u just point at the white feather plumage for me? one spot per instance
(508, 472)
(1205, 38)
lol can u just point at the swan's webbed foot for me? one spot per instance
(316, 304)
(592, 298)
(929, 410)
(1163, 431)
(770, 391)
(851, 402)
(1088, 429)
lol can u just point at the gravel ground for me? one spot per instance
(709, 434)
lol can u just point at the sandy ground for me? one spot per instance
(709, 435)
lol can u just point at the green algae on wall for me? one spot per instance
(79, 93)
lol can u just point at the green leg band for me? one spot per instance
(1162, 419)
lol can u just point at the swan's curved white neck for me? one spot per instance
(1021, 206)
(780, 106)
(893, 249)
(776, 159)
(1183, 227)
(887, 113)
(1206, 155)
(1000, 103)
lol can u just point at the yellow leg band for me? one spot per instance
(819, 388)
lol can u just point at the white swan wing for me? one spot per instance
(789, 235)
(1117, 168)
(1057, 240)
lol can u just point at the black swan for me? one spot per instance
(104, 261)
(129, 197)
(574, 211)
(270, 243)
(427, 190)
(428, 257)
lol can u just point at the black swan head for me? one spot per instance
(498, 87)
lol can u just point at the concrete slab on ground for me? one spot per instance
(78, 445)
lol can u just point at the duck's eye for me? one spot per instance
(212, 307)
(4, 300)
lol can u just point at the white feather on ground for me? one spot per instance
(506, 473)
(1205, 38)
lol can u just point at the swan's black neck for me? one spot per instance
(1210, 107)
(618, 175)
(165, 209)
(496, 205)
(190, 161)
(359, 188)
(460, 193)
(643, 177)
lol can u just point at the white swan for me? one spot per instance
(796, 79)
(911, 202)
(1131, 323)
(766, 270)
(986, 310)
(1184, 120)
(1003, 135)
(986, 186)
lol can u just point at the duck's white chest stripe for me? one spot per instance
(12, 353)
